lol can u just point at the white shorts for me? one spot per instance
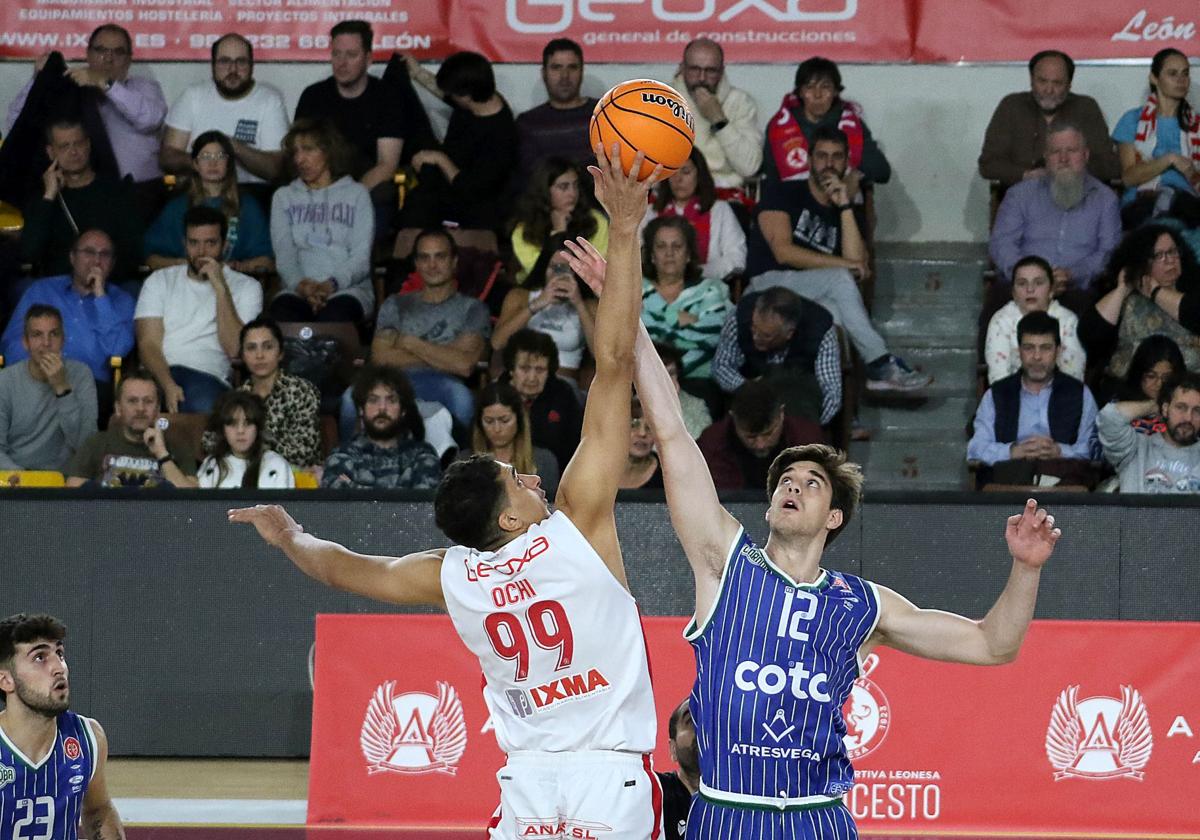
(599, 795)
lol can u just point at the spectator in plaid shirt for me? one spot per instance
(789, 341)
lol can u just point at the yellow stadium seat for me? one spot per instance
(305, 480)
(11, 220)
(31, 478)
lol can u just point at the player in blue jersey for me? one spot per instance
(779, 640)
(51, 759)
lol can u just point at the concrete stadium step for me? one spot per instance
(912, 465)
(953, 368)
(940, 418)
(928, 282)
(931, 329)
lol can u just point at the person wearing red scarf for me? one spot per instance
(817, 102)
(691, 193)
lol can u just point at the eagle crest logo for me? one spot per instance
(413, 732)
(1099, 737)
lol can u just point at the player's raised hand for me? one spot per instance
(1031, 535)
(273, 523)
(621, 194)
(586, 261)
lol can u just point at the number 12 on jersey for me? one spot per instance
(548, 626)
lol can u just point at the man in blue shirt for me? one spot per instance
(97, 315)
(1038, 420)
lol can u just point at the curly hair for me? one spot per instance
(325, 137)
(1135, 255)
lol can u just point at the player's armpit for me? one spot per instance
(931, 634)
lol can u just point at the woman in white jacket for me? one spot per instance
(241, 458)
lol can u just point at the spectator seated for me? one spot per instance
(696, 415)
(241, 457)
(643, 471)
(555, 415)
(1157, 360)
(502, 430)
(1164, 461)
(740, 447)
(691, 193)
(559, 126)
(1038, 421)
(392, 451)
(555, 205)
(322, 227)
(213, 183)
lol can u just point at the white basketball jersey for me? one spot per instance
(559, 640)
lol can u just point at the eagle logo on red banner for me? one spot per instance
(413, 732)
(1100, 737)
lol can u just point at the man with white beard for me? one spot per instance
(1066, 216)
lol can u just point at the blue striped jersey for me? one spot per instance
(43, 800)
(775, 662)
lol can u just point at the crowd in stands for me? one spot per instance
(212, 294)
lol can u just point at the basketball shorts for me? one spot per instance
(709, 821)
(598, 795)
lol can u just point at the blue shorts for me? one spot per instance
(709, 821)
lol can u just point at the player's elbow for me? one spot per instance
(614, 357)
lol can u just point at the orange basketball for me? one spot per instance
(644, 116)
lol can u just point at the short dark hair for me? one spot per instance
(355, 27)
(24, 628)
(41, 310)
(1184, 380)
(63, 123)
(138, 375)
(533, 342)
(262, 322)
(1039, 323)
(1033, 259)
(560, 45)
(468, 74)
(1066, 59)
(831, 134)
(227, 36)
(676, 716)
(845, 477)
(468, 501)
(815, 68)
(111, 27)
(327, 138)
(201, 215)
(390, 377)
(755, 405)
(440, 232)
(781, 301)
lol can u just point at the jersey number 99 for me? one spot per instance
(548, 625)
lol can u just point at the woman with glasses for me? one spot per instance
(1156, 361)
(1143, 292)
(817, 101)
(213, 184)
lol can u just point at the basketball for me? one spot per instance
(645, 116)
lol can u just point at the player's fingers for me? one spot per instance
(655, 176)
(636, 169)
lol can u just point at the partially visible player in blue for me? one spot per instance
(51, 759)
(779, 640)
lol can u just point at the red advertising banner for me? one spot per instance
(1095, 730)
(784, 31)
(183, 30)
(630, 31)
(1013, 30)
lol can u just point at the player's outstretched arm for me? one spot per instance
(704, 527)
(410, 580)
(995, 640)
(589, 484)
(100, 820)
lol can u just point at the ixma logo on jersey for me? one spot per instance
(413, 732)
(1099, 737)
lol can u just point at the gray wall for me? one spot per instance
(190, 636)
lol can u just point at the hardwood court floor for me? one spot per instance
(208, 778)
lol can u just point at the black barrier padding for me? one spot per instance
(190, 636)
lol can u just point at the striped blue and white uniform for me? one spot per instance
(775, 662)
(43, 800)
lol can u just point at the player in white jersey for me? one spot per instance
(779, 639)
(542, 599)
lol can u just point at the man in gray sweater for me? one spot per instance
(47, 403)
(1163, 462)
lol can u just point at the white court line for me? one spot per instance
(213, 811)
